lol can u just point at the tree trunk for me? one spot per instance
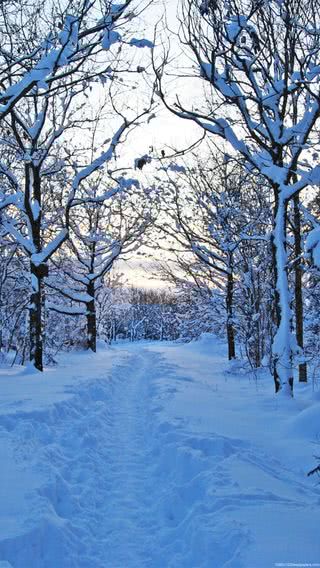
(1, 326)
(230, 328)
(35, 320)
(298, 272)
(276, 311)
(33, 208)
(283, 340)
(91, 319)
(257, 324)
(298, 288)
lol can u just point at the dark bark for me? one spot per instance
(257, 334)
(298, 288)
(35, 320)
(230, 327)
(91, 319)
(33, 195)
(276, 311)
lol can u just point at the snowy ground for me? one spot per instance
(156, 456)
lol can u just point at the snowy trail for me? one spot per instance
(129, 529)
(99, 508)
(127, 472)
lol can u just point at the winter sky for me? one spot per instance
(165, 131)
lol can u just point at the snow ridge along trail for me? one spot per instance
(150, 465)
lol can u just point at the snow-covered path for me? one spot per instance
(128, 530)
(152, 463)
(97, 509)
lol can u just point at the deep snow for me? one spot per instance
(156, 455)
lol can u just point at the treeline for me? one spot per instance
(192, 305)
(121, 313)
(213, 226)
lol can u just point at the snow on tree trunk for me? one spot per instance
(303, 377)
(33, 208)
(283, 344)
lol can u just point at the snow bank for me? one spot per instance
(306, 424)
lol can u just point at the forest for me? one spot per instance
(236, 214)
(159, 186)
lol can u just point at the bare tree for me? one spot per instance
(41, 107)
(212, 209)
(101, 231)
(44, 43)
(259, 61)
